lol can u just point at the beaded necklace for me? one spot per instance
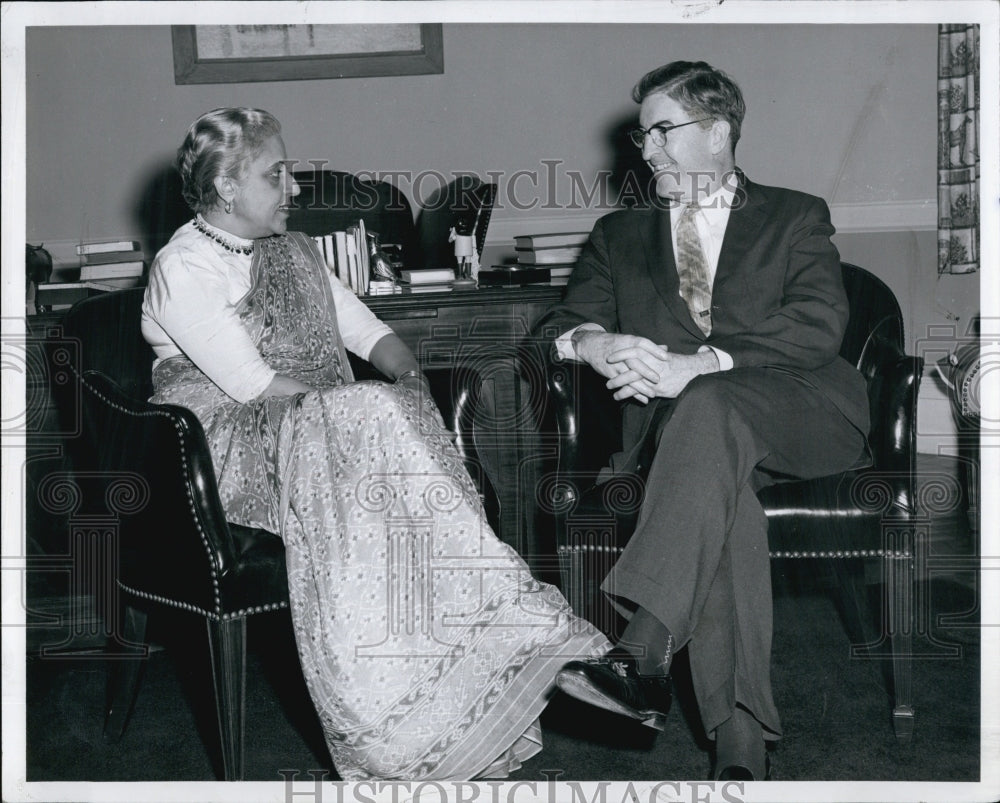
(229, 245)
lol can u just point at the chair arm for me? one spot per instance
(206, 508)
(182, 523)
(587, 419)
(893, 384)
(562, 381)
(457, 392)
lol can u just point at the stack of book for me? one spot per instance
(428, 280)
(111, 264)
(559, 274)
(104, 266)
(557, 252)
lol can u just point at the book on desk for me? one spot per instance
(104, 247)
(110, 259)
(427, 280)
(531, 242)
(105, 266)
(557, 253)
(52, 296)
(548, 256)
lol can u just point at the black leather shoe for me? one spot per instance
(737, 772)
(613, 682)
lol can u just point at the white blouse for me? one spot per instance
(190, 306)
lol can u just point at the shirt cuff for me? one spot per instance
(564, 343)
(725, 360)
(255, 384)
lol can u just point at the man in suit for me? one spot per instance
(716, 313)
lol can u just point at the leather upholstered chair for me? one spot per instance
(332, 200)
(174, 546)
(859, 515)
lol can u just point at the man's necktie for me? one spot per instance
(692, 269)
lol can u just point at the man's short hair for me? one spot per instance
(700, 89)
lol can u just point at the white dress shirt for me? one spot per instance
(710, 220)
(190, 307)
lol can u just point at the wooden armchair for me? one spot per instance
(849, 517)
(146, 471)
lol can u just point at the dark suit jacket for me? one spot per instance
(778, 298)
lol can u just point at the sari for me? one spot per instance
(427, 647)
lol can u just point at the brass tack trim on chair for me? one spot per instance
(271, 606)
(184, 456)
(187, 606)
(216, 592)
(214, 615)
(589, 548)
(842, 554)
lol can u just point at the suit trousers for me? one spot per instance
(698, 559)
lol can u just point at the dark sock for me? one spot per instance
(739, 741)
(648, 639)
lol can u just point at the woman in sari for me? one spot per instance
(428, 649)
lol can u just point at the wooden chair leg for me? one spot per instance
(571, 569)
(900, 593)
(126, 672)
(227, 643)
(972, 490)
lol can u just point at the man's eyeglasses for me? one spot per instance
(658, 132)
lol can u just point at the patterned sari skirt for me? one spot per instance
(428, 648)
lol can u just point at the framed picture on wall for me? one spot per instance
(215, 54)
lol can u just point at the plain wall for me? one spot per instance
(845, 112)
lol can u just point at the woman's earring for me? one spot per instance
(228, 207)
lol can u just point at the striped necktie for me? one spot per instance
(692, 269)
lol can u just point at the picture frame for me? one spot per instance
(247, 53)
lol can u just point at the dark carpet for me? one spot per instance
(835, 708)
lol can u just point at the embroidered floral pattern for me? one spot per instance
(427, 647)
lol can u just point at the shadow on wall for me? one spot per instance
(332, 200)
(159, 207)
(439, 214)
(629, 178)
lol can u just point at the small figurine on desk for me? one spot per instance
(380, 267)
(465, 255)
(469, 232)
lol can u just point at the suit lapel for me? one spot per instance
(658, 249)
(745, 219)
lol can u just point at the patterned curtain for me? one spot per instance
(958, 150)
